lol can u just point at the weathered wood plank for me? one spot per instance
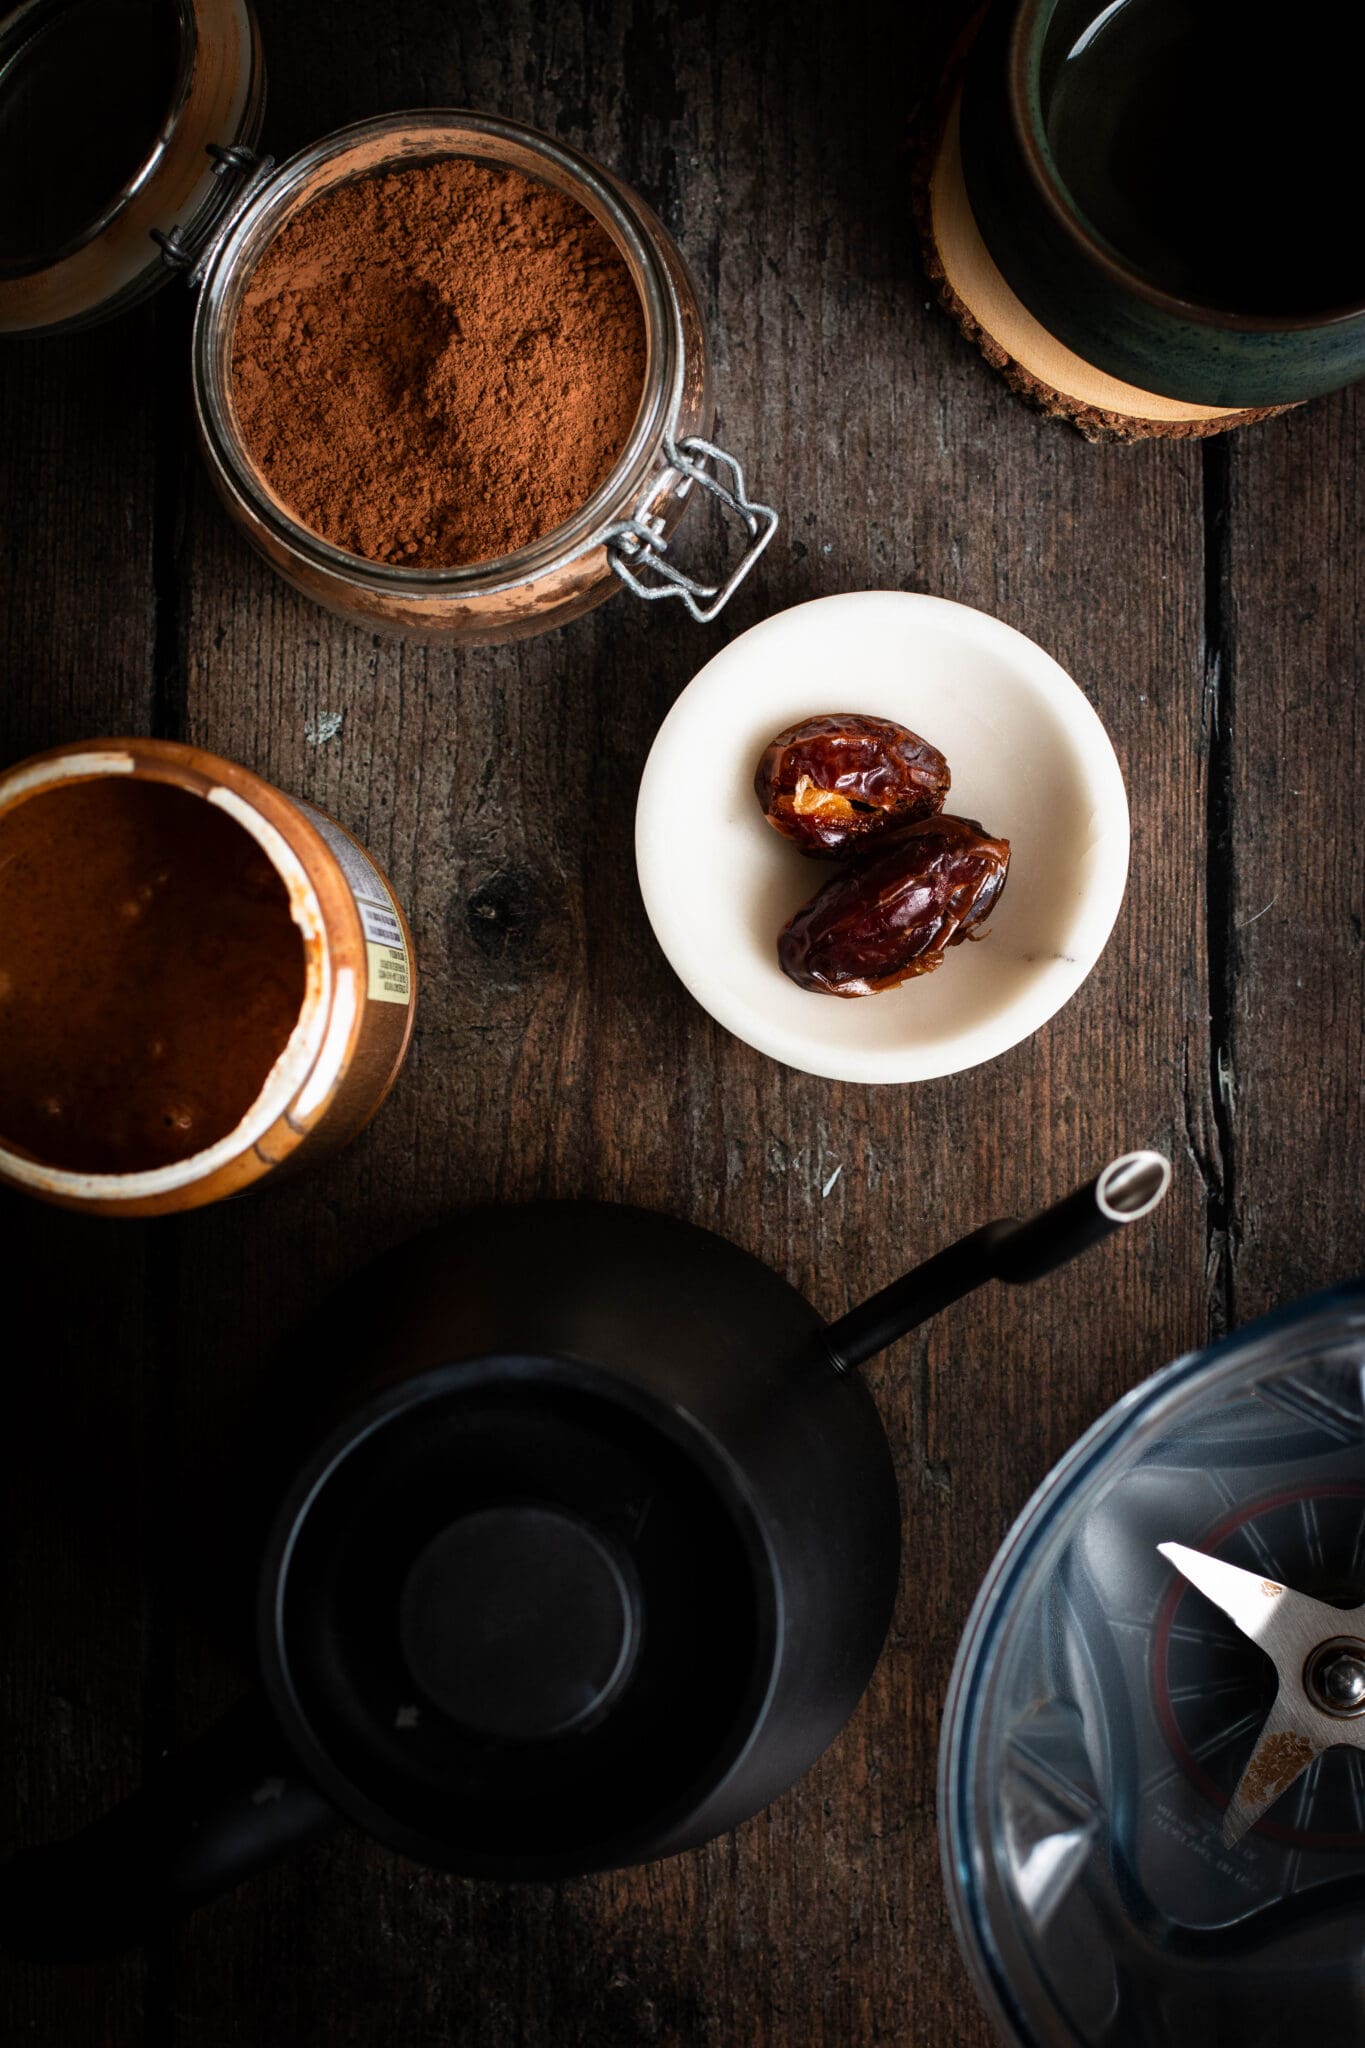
(78, 440)
(1294, 904)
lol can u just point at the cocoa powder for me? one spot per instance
(440, 364)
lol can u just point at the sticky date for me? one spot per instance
(832, 783)
(892, 914)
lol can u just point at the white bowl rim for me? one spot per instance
(1092, 921)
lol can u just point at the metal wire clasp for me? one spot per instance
(637, 549)
(229, 161)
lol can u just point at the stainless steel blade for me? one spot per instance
(1312, 1646)
(1260, 1607)
(1283, 1753)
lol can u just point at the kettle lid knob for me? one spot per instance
(519, 1621)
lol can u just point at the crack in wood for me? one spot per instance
(1218, 1163)
(172, 451)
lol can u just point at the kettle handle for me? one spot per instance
(209, 1816)
(1129, 1188)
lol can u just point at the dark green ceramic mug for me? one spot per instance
(1175, 193)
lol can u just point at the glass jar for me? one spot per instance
(96, 251)
(358, 987)
(200, 203)
(620, 535)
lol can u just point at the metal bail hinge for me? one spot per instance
(184, 249)
(637, 549)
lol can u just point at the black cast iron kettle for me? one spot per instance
(601, 1563)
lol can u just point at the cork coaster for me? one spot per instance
(1035, 365)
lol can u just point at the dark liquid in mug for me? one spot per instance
(1217, 147)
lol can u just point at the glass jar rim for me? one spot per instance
(636, 468)
(183, 28)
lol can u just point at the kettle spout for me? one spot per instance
(1127, 1189)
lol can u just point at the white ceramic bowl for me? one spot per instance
(1029, 759)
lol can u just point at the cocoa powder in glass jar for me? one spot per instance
(439, 364)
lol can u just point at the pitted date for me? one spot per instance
(831, 784)
(893, 913)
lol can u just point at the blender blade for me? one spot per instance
(1319, 1656)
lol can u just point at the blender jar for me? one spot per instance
(1102, 1710)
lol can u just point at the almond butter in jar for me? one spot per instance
(202, 980)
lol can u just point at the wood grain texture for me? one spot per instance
(1291, 691)
(79, 459)
(556, 1054)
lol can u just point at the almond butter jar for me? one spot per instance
(216, 232)
(202, 980)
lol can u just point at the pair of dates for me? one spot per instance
(869, 793)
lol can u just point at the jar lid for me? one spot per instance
(138, 112)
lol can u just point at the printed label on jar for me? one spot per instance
(386, 953)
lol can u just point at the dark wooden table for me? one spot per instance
(1208, 600)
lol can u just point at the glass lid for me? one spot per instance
(115, 117)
